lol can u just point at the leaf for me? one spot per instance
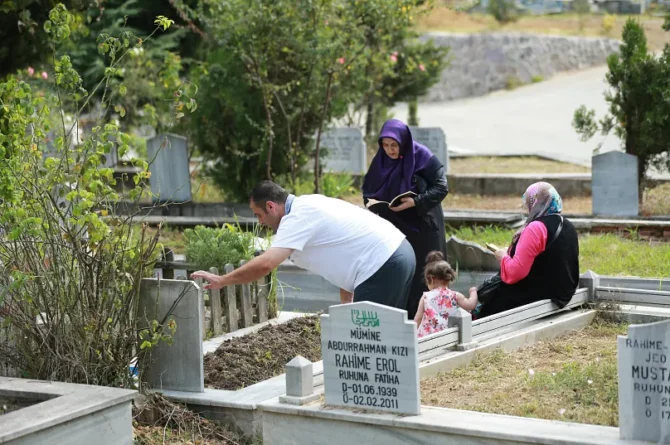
(179, 115)
(123, 90)
(145, 344)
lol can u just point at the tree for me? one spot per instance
(70, 273)
(639, 106)
(302, 64)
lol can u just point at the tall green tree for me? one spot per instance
(303, 64)
(639, 102)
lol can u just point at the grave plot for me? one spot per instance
(572, 378)
(243, 361)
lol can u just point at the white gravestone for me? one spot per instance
(614, 186)
(644, 383)
(370, 358)
(346, 151)
(436, 141)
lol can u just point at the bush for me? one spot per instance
(209, 247)
(334, 185)
(608, 24)
(70, 273)
(504, 11)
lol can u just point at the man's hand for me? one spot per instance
(252, 271)
(407, 203)
(215, 281)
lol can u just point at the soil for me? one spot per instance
(243, 361)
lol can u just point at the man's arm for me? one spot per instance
(252, 271)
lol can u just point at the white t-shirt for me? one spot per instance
(343, 243)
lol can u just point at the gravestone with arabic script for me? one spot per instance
(644, 382)
(370, 358)
(345, 150)
(436, 141)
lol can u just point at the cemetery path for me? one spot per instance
(534, 119)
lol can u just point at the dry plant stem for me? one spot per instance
(177, 417)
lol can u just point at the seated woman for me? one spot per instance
(543, 260)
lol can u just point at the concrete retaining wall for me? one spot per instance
(567, 184)
(481, 63)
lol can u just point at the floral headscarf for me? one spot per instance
(541, 199)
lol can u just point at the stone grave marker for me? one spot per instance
(644, 383)
(370, 358)
(346, 152)
(614, 187)
(168, 163)
(435, 139)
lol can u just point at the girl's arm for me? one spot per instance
(419, 313)
(468, 303)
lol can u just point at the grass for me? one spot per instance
(442, 18)
(572, 378)
(605, 254)
(509, 203)
(511, 164)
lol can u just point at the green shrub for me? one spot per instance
(215, 247)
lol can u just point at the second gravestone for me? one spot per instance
(370, 358)
(614, 186)
(345, 151)
(435, 140)
(644, 383)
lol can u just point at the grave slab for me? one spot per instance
(644, 383)
(168, 163)
(346, 152)
(370, 358)
(614, 184)
(178, 366)
(436, 141)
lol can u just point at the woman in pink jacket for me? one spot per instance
(542, 261)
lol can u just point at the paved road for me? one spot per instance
(530, 120)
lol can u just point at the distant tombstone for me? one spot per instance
(346, 152)
(644, 383)
(614, 187)
(168, 163)
(370, 358)
(435, 140)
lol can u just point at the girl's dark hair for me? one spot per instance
(438, 268)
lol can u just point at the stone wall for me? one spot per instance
(481, 63)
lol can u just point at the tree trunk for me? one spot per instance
(413, 112)
(324, 113)
(369, 123)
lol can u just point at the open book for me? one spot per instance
(394, 202)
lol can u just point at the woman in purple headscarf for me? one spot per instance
(403, 165)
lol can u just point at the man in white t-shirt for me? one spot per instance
(351, 247)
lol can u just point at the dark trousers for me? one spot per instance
(390, 285)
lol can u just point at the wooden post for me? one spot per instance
(215, 306)
(247, 313)
(168, 256)
(231, 303)
(262, 299)
(200, 282)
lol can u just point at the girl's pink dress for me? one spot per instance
(438, 305)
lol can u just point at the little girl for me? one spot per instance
(440, 302)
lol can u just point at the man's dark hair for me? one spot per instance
(268, 191)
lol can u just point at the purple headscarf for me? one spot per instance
(387, 178)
